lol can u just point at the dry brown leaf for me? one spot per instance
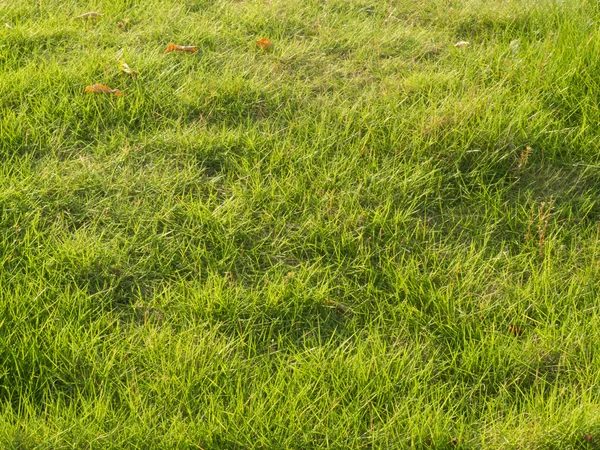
(181, 48)
(102, 89)
(265, 43)
(90, 15)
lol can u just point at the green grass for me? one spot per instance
(321, 246)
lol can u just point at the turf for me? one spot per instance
(366, 237)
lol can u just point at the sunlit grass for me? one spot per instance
(325, 245)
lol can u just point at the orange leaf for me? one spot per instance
(265, 43)
(180, 48)
(102, 89)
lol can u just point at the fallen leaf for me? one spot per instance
(180, 48)
(265, 43)
(102, 89)
(125, 68)
(460, 44)
(90, 15)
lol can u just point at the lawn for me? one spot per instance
(362, 237)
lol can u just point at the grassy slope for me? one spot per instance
(176, 264)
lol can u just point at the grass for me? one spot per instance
(364, 238)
